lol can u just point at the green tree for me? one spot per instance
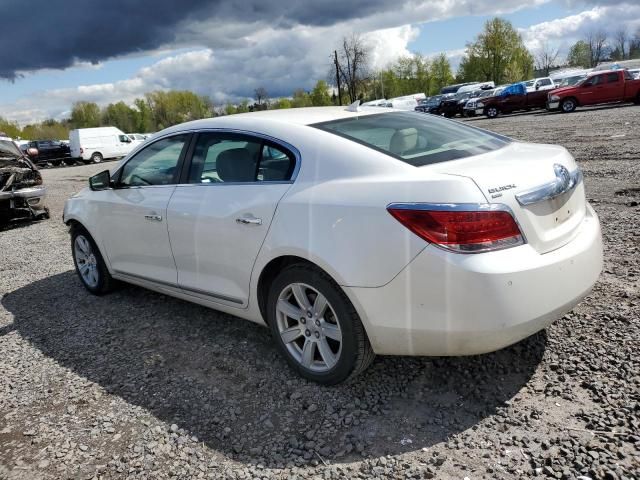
(497, 54)
(9, 128)
(301, 99)
(85, 115)
(122, 116)
(440, 73)
(176, 106)
(281, 103)
(145, 116)
(579, 55)
(320, 94)
(47, 130)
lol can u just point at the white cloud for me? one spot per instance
(563, 32)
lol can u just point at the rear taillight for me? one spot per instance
(81, 151)
(460, 227)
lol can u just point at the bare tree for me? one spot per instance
(621, 37)
(261, 95)
(546, 57)
(353, 64)
(597, 41)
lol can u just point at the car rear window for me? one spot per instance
(416, 138)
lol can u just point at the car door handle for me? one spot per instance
(249, 221)
(155, 218)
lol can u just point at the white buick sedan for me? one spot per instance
(349, 232)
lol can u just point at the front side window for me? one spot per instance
(154, 165)
(236, 158)
(415, 138)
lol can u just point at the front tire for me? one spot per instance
(315, 326)
(491, 112)
(568, 105)
(90, 265)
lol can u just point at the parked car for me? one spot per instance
(455, 88)
(512, 99)
(454, 105)
(349, 232)
(49, 151)
(96, 144)
(431, 105)
(599, 87)
(22, 193)
(470, 106)
(136, 138)
(543, 83)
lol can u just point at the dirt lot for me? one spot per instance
(136, 384)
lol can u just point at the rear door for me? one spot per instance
(220, 214)
(614, 87)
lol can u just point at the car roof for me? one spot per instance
(296, 116)
(600, 72)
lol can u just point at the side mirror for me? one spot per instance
(537, 87)
(32, 152)
(100, 181)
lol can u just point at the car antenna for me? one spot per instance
(354, 107)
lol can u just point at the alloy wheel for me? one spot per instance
(86, 261)
(309, 327)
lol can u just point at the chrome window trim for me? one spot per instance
(262, 136)
(565, 182)
(462, 207)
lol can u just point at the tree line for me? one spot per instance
(497, 54)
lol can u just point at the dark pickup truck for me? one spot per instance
(50, 151)
(599, 87)
(511, 99)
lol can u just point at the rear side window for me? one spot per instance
(235, 158)
(415, 138)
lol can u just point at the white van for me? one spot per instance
(96, 144)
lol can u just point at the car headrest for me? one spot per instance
(403, 141)
(236, 165)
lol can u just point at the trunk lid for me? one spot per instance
(529, 171)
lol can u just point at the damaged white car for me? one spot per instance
(21, 191)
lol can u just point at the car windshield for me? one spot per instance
(9, 149)
(415, 138)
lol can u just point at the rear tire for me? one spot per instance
(491, 112)
(315, 326)
(90, 265)
(96, 157)
(56, 163)
(637, 99)
(568, 105)
(69, 161)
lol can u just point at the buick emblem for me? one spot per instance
(562, 175)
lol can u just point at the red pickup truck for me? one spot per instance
(607, 86)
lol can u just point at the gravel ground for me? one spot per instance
(140, 385)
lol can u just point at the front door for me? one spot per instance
(219, 218)
(133, 215)
(592, 91)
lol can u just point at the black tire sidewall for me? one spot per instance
(342, 308)
(567, 101)
(490, 109)
(103, 272)
(98, 156)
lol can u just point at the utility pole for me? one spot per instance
(335, 53)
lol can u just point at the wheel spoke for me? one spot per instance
(289, 310)
(332, 331)
(290, 334)
(320, 305)
(300, 296)
(93, 273)
(307, 353)
(327, 355)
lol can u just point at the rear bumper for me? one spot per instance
(444, 303)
